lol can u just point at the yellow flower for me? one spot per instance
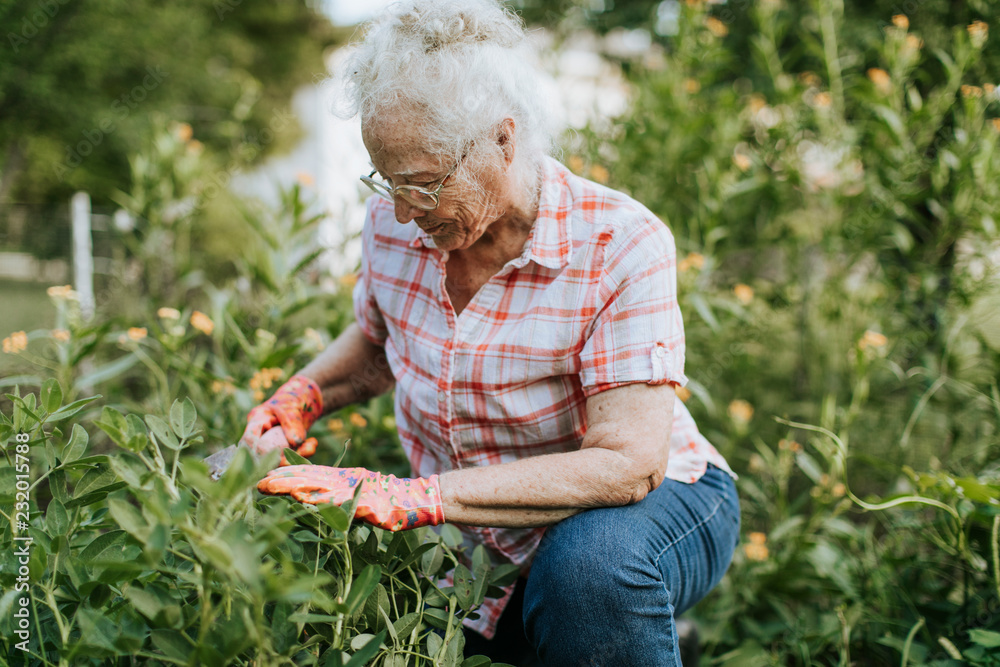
(914, 43)
(202, 322)
(741, 161)
(599, 173)
(740, 411)
(757, 548)
(822, 100)
(61, 335)
(61, 292)
(757, 102)
(978, 31)
(575, 164)
(195, 147)
(349, 280)
(358, 420)
(972, 92)
(223, 387)
(683, 393)
(305, 178)
(838, 490)
(335, 425)
(137, 333)
(389, 423)
(810, 79)
(872, 339)
(716, 27)
(169, 313)
(265, 377)
(744, 293)
(691, 86)
(258, 395)
(989, 89)
(901, 21)
(16, 342)
(757, 463)
(789, 444)
(693, 259)
(881, 79)
(996, 124)
(184, 132)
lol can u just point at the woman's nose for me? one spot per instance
(405, 211)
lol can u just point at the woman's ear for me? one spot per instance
(505, 139)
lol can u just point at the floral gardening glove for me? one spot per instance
(295, 406)
(385, 500)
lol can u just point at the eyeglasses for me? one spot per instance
(422, 198)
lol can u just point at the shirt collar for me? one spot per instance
(549, 243)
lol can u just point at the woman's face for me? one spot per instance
(395, 144)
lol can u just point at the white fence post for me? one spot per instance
(83, 254)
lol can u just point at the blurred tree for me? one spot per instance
(79, 82)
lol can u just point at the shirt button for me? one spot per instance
(442, 396)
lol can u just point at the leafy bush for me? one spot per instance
(138, 553)
(832, 185)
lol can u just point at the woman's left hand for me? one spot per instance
(384, 501)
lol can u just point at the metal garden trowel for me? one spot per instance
(219, 461)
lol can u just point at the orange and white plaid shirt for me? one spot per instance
(589, 305)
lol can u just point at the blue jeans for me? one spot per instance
(606, 584)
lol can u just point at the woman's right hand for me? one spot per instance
(293, 407)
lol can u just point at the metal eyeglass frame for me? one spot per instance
(383, 190)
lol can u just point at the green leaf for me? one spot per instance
(477, 661)
(986, 638)
(479, 557)
(404, 625)
(482, 574)
(294, 458)
(432, 560)
(94, 480)
(451, 535)
(504, 575)
(334, 516)
(56, 519)
(67, 411)
(463, 586)
(51, 395)
(76, 445)
(367, 652)
(161, 431)
(137, 440)
(112, 540)
(114, 424)
(362, 587)
(183, 417)
(128, 517)
(434, 642)
(173, 644)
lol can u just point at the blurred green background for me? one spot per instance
(831, 173)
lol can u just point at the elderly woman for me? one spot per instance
(528, 320)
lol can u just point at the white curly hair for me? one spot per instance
(460, 66)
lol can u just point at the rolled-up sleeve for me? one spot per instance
(366, 310)
(638, 334)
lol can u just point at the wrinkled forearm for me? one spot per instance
(350, 370)
(541, 490)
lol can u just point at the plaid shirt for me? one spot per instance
(590, 304)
